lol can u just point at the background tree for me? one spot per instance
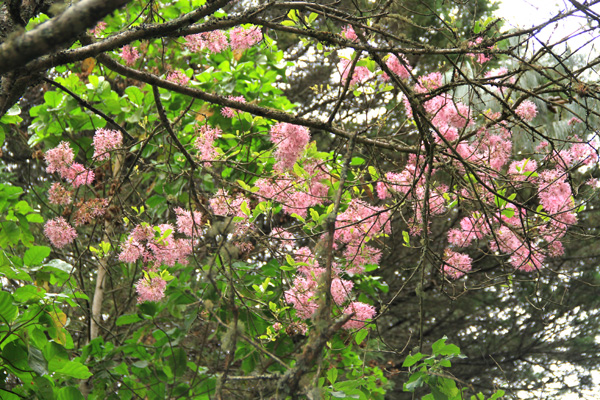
(170, 231)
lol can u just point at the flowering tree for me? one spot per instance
(184, 230)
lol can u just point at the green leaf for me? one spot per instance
(75, 369)
(128, 319)
(37, 362)
(361, 335)
(412, 360)
(8, 311)
(36, 255)
(332, 375)
(69, 393)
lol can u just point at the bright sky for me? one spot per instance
(526, 13)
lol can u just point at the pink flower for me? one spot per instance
(277, 326)
(129, 54)
(290, 141)
(216, 41)
(178, 77)
(230, 112)
(348, 33)
(360, 74)
(242, 39)
(60, 158)
(105, 141)
(150, 290)
(89, 210)
(205, 143)
(362, 312)
(78, 175)
(401, 69)
(100, 26)
(59, 195)
(188, 223)
(340, 289)
(456, 264)
(526, 110)
(131, 251)
(302, 296)
(429, 82)
(224, 204)
(59, 232)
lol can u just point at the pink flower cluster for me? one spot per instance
(400, 68)
(242, 38)
(155, 246)
(179, 77)
(362, 312)
(152, 289)
(59, 232)
(290, 140)
(480, 58)
(361, 74)
(526, 110)
(224, 204)
(60, 159)
(89, 210)
(105, 141)
(100, 26)
(303, 294)
(59, 195)
(205, 143)
(348, 33)
(189, 223)
(296, 195)
(129, 55)
(216, 41)
(230, 112)
(456, 264)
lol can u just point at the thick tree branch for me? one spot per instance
(55, 33)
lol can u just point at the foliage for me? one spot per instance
(173, 226)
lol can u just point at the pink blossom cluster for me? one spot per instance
(361, 74)
(60, 159)
(295, 195)
(106, 140)
(348, 33)
(303, 293)
(150, 289)
(480, 58)
(456, 264)
(129, 54)
(205, 143)
(179, 77)
(216, 41)
(222, 203)
(290, 141)
(399, 68)
(89, 210)
(100, 26)
(361, 221)
(527, 110)
(155, 246)
(429, 82)
(228, 112)
(189, 223)
(59, 232)
(362, 312)
(242, 38)
(59, 195)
